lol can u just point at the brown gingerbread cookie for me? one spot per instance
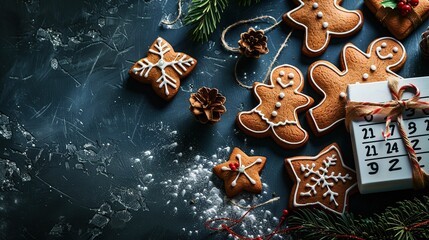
(241, 172)
(279, 103)
(322, 19)
(383, 57)
(323, 180)
(163, 68)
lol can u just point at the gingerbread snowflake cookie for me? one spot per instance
(279, 103)
(383, 57)
(241, 172)
(321, 20)
(163, 68)
(323, 180)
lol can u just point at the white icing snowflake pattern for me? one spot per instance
(322, 178)
(241, 169)
(164, 80)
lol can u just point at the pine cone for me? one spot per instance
(253, 43)
(424, 43)
(207, 105)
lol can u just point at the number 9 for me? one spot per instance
(374, 168)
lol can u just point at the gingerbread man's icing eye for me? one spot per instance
(379, 54)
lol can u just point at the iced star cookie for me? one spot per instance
(241, 172)
(276, 113)
(383, 57)
(323, 180)
(163, 68)
(321, 20)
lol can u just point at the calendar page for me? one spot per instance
(382, 165)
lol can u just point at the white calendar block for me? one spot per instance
(383, 165)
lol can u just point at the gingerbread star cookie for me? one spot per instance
(321, 20)
(241, 172)
(383, 57)
(279, 103)
(322, 180)
(163, 68)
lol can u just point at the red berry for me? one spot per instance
(413, 2)
(285, 212)
(405, 10)
(400, 5)
(236, 165)
(231, 165)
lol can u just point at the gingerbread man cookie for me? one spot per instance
(323, 180)
(241, 172)
(384, 55)
(163, 68)
(279, 103)
(322, 19)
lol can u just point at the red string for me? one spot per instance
(417, 225)
(228, 228)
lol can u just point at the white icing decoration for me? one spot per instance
(365, 76)
(342, 94)
(315, 5)
(326, 177)
(282, 73)
(242, 170)
(283, 122)
(388, 56)
(274, 113)
(164, 80)
(319, 14)
(325, 24)
(279, 81)
(322, 179)
(289, 14)
(342, 73)
(278, 104)
(383, 44)
(395, 49)
(373, 67)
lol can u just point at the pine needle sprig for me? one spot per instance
(206, 14)
(409, 220)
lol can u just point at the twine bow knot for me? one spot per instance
(393, 110)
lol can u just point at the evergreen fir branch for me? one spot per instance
(409, 220)
(205, 14)
(247, 2)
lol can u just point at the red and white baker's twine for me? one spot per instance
(394, 109)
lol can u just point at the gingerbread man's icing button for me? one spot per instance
(163, 68)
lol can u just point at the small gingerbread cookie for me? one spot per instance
(384, 55)
(322, 180)
(163, 68)
(279, 103)
(241, 172)
(322, 19)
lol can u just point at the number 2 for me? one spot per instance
(394, 162)
(374, 168)
(415, 142)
